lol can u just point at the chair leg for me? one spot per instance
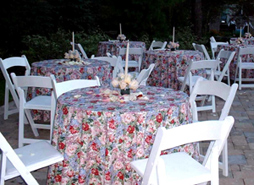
(213, 104)
(240, 78)
(225, 160)
(228, 77)
(6, 103)
(31, 121)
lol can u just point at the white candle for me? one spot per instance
(173, 34)
(120, 29)
(127, 59)
(72, 41)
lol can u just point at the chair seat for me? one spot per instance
(39, 103)
(176, 165)
(43, 155)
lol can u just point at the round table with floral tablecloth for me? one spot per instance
(169, 65)
(100, 132)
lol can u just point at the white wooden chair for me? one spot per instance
(180, 168)
(137, 53)
(144, 74)
(22, 161)
(214, 46)
(5, 65)
(202, 49)
(225, 93)
(118, 67)
(40, 102)
(157, 45)
(189, 79)
(212, 39)
(81, 50)
(228, 56)
(249, 64)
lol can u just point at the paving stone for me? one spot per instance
(237, 159)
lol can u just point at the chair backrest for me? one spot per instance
(136, 52)
(118, 67)
(216, 131)
(79, 47)
(214, 46)
(219, 89)
(196, 65)
(212, 39)
(201, 48)
(228, 56)
(111, 60)
(245, 51)
(13, 62)
(157, 45)
(65, 86)
(24, 160)
(144, 74)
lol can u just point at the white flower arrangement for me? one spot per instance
(173, 45)
(125, 81)
(239, 40)
(247, 35)
(73, 55)
(121, 37)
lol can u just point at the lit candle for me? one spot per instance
(240, 32)
(120, 29)
(72, 41)
(127, 59)
(173, 34)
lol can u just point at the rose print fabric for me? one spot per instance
(99, 137)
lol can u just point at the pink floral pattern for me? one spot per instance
(64, 72)
(169, 65)
(113, 47)
(99, 139)
(232, 67)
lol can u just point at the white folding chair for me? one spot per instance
(212, 39)
(40, 102)
(201, 48)
(214, 46)
(6, 65)
(228, 56)
(22, 161)
(189, 79)
(136, 53)
(144, 74)
(248, 55)
(225, 93)
(111, 60)
(180, 168)
(157, 45)
(81, 50)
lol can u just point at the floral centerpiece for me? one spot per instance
(125, 83)
(239, 40)
(173, 46)
(247, 35)
(73, 55)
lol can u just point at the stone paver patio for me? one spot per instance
(240, 141)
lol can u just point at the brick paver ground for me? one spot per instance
(240, 141)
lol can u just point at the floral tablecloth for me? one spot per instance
(169, 65)
(63, 71)
(232, 67)
(113, 47)
(99, 133)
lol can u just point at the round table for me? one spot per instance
(99, 133)
(169, 65)
(232, 67)
(113, 46)
(63, 71)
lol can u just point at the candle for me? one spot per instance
(127, 59)
(120, 29)
(240, 32)
(173, 34)
(72, 41)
